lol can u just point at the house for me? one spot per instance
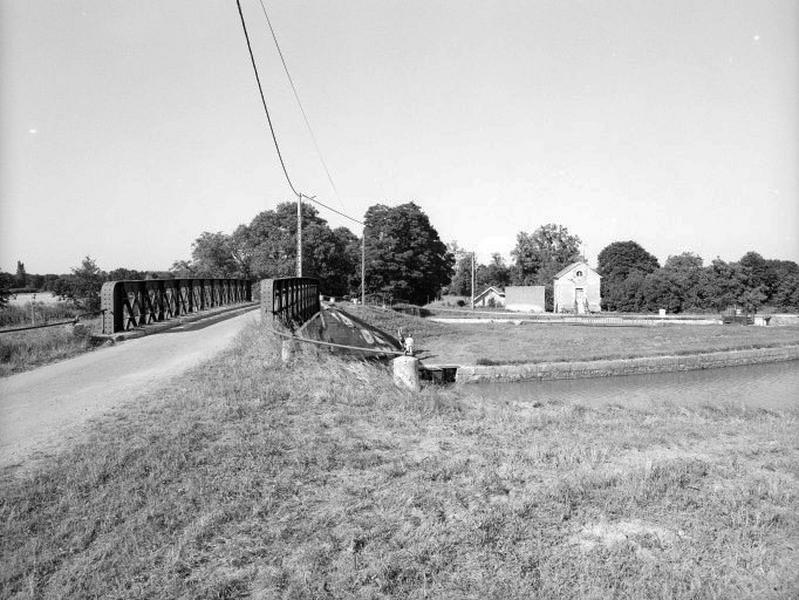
(490, 296)
(525, 298)
(576, 289)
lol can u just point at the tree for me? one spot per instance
(183, 269)
(83, 286)
(212, 255)
(689, 281)
(123, 274)
(615, 263)
(267, 247)
(786, 293)
(540, 255)
(21, 278)
(7, 281)
(461, 282)
(496, 273)
(777, 274)
(405, 258)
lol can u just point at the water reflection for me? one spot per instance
(773, 386)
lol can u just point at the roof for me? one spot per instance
(489, 289)
(565, 270)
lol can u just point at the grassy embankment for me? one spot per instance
(506, 343)
(248, 478)
(25, 350)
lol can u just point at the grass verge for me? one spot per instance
(25, 350)
(247, 478)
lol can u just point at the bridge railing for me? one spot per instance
(291, 300)
(131, 304)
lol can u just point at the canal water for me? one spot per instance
(771, 386)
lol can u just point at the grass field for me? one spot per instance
(249, 479)
(506, 343)
(26, 350)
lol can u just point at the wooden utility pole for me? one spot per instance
(299, 235)
(363, 267)
(472, 280)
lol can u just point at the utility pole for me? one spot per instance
(299, 235)
(363, 267)
(472, 280)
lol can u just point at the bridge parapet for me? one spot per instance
(134, 303)
(290, 300)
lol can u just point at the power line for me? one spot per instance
(263, 101)
(315, 201)
(299, 104)
(272, 129)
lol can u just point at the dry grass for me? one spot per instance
(249, 479)
(29, 349)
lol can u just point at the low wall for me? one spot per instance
(627, 366)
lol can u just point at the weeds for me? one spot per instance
(28, 349)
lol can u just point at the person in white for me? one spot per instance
(408, 343)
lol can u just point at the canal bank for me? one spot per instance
(544, 371)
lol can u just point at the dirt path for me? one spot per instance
(39, 409)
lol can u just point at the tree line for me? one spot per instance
(406, 261)
(81, 286)
(634, 281)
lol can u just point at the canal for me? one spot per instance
(770, 386)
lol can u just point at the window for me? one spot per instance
(579, 273)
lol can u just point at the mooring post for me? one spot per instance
(406, 372)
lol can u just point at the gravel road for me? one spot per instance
(40, 409)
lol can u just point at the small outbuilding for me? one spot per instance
(525, 298)
(490, 296)
(576, 289)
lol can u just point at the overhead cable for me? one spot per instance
(299, 103)
(272, 129)
(330, 208)
(263, 101)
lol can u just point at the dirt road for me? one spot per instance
(41, 408)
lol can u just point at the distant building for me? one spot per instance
(576, 289)
(525, 298)
(490, 296)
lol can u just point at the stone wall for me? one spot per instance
(630, 366)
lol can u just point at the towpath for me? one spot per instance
(40, 409)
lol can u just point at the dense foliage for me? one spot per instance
(405, 258)
(540, 255)
(633, 282)
(496, 274)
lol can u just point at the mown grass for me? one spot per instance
(24, 350)
(321, 480)
(506, 343)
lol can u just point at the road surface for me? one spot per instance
(40, 408)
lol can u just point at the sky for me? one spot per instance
(128, 128)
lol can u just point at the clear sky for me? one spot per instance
(127, 128)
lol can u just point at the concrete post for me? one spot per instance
(286, 350)
(406, 372)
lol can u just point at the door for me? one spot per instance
(579, 300)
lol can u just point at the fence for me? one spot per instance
(292, 300)
(130, 304)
